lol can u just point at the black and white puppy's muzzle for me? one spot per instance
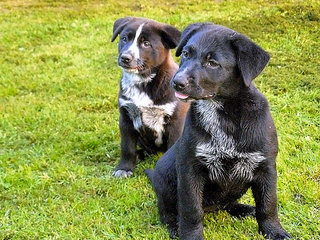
(129, 63)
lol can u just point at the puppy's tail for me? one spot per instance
(149, 173)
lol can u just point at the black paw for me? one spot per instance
(241, 210)
(273, 231)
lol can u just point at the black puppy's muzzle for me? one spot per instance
(179, 86)
(180, 82)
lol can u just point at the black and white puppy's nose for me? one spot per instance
(126, 58)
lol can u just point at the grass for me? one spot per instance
(59, 137)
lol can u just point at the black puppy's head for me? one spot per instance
(215, 62)
(144, 44)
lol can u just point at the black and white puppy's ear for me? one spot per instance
(187, 33)
(170, 36)
(119, 25)
(251, 58)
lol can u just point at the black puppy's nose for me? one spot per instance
(126, 58)
(179, 84)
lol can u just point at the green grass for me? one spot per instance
(59, 137)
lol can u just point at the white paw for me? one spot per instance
(122, 173)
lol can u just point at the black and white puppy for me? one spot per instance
(229, 142)
(151, 117)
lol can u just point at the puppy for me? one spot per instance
(151, 117)
(229, 142)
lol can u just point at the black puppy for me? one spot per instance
(229, 142)
(151, 117)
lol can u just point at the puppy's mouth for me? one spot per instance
(185, 98)
(181, 96)
(136, 66)
(136, 70)
(209, 96)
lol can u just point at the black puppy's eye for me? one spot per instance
(212, 63)
(124, 39)
(185, 54)
(146, 44)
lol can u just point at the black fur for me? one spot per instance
(229, 142)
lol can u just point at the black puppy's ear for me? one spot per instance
(119, 25)
(251, 58)
(187, 33)
(170, 36)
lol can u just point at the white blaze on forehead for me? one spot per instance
(134, 48)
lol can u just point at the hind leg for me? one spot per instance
(241, 210)
(164, 181)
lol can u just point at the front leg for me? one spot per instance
(190, 188)
(264, 191)
(129, 137)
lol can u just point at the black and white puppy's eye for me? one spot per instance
(146, 44)
(124, 39)
(185, 54)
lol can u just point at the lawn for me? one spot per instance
(59, 136)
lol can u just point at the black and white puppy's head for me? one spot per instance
(216, 62)
(144, 43)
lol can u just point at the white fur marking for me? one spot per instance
(151, 115)
(134, 48)
(130, 79)
(247, 164)
(221, 146)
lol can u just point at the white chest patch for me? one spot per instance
(143, 110)
(222, 147)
